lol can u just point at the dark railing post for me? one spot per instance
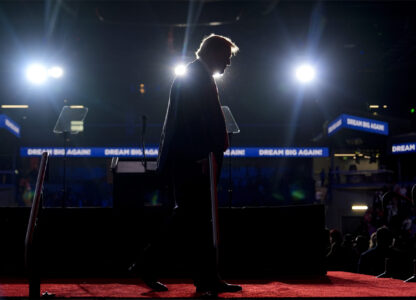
(31, 251)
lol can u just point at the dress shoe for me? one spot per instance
(155, 285)
(219, 287)
(147, 277)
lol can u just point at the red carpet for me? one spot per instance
(334, 285)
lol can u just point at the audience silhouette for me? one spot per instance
(386, 245)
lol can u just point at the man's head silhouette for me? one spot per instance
(384, 237)
(216, 52)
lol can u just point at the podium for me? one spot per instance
(135, 186)
(70, 121)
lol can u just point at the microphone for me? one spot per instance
(144, 120)
(144, 162)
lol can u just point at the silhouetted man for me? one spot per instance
(194, 126)
(372, 261)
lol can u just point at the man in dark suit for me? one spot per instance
(372, 262)
(194, 126)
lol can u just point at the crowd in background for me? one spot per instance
(388, 231)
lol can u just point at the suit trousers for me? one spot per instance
(190, 225)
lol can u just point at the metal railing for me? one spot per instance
(31, 257)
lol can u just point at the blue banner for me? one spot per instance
(335, 125)
(153, 152)
(291, 152)
(358, 123)
(89, 152)
(10, 125)
(403, 148)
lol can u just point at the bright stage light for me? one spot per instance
(55, 72)
(359, 207)
(217, 75)
(36, 74)
(14, 106)
(180, 70)
(305, 73)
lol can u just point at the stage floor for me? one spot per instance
(334, 285)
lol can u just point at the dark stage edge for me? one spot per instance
(103, 242)
(336, 285)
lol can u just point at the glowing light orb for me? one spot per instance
(305, 73)
(55, 72)
(36, 74)
(217, 75)
(180, 70)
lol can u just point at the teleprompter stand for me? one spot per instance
(70, 121)
(232, 128)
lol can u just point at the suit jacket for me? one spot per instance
(372, 261)
(194, 124)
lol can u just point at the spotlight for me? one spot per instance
(305, 73)
(217, 75)
(180, 70)
(55, 72)
(36, 74)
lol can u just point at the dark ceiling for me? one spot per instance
(364, 50)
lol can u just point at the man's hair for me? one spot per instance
(215, 43)
(384, 237)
